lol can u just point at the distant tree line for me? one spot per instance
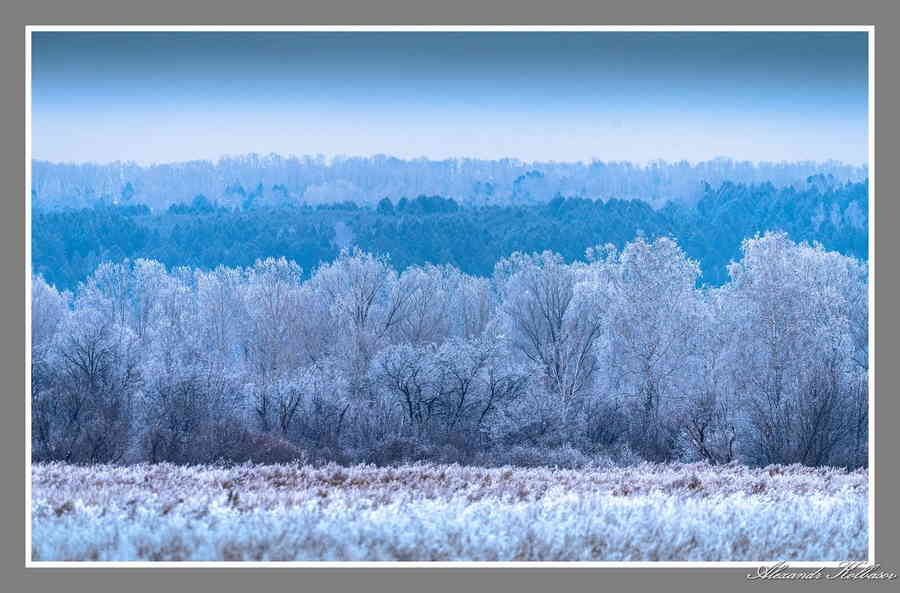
(255, 180)
(69, 244)
(543, 361)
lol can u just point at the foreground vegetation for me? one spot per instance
(428, 512)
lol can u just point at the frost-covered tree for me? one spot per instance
(223, 312)
(272, 301)
(656, 317)
(365, 305)
(49, 312)
(92, 401)
(621, 355)
(552, 321)
(795, 305)
(709, 416)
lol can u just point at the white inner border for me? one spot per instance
(870, 29)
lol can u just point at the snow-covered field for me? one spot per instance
(647, 512)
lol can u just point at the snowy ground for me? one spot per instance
(430, 512)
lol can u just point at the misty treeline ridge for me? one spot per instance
(621, 357)
(247, 180)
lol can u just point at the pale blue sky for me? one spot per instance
(162, 97)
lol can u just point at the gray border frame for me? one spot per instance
(15, 577)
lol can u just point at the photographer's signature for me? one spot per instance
(847, 571)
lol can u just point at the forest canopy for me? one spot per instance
(621, 355)
(68, 244)
(379, 310)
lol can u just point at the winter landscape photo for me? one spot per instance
(449, 295)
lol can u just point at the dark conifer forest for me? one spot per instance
(69, 242)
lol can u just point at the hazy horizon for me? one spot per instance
(330, 158)
(156, 97)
